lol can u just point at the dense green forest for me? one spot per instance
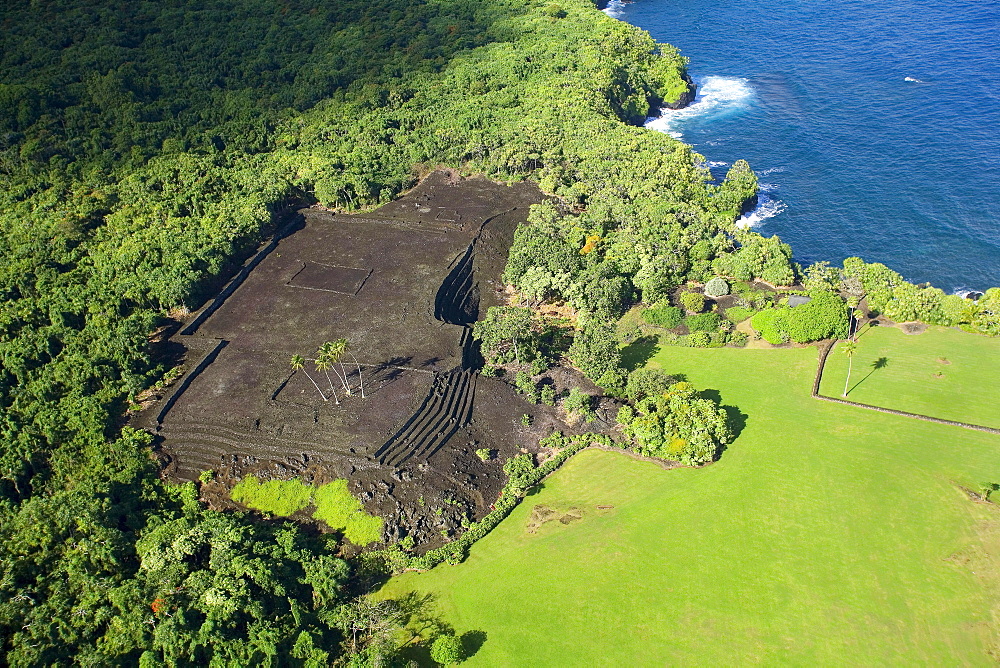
(147, 146)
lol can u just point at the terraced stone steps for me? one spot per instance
(446, 409)
(201, 446)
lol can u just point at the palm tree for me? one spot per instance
(323, 364)
(849, 348)
(299, 363)
(361, 379)
(334, 352)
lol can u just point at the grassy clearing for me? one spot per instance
(944, 373)
(826, 535)
(334, 505)
(277, 497)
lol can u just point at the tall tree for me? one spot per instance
(849, 348)
(298, 363)
(323, 364)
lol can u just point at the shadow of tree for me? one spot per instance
(880, 363)
(735, 418)
(636, 354)
(472, 642)
(423, 623)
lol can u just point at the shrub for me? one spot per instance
(693, 301)
(823, 317)
(703, 322)
(447, 650)
(555, 11)
(595, 352)
(526, 386)
(647, 382)
(717, 287)
(581, 403)
(663, 315)
(700, 340)
(549, 395)
(738, 314)
(766, 323)
(738, 338)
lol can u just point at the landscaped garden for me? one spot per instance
(942, 373)
(824, 535)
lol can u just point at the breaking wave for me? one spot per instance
(614, 9)
(767, 207)
(716, 96)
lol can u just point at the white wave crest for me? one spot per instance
(771, 170)
(716, 95)
(767, 207)
(614, 9)
(968, 293)
(717, 163)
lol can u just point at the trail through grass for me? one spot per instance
(826, 535)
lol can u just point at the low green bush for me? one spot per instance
(738, 338)
(693, 301)
(703, 322)
(825, 316)
(663, 315)
(699, 340)
(737, 314)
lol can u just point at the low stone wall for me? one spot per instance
(824, 351)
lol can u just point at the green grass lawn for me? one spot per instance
(944, 373)
(826, 535)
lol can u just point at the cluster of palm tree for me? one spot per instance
(330, 357)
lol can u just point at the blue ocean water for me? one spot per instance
(874, 126)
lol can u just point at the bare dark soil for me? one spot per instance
(402, 284)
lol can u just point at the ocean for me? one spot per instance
(874, 128)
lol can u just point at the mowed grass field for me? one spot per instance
(826, 535)
(944, 373)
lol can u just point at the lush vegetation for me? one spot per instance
(677, 424)
(823, 317)
(334, 505)
(143, 150)
(825, 535)
(942, 373)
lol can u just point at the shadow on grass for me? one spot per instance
(880, 363)
(735, 418)
(636, 354)
(421, 620)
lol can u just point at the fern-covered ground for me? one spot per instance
(826, 535)
(943, 373)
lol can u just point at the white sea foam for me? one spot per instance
(767, 207)
(965, 292)
(771, 170)
(913, 80)
(717, 163)
(615, 9)
(716, 96)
